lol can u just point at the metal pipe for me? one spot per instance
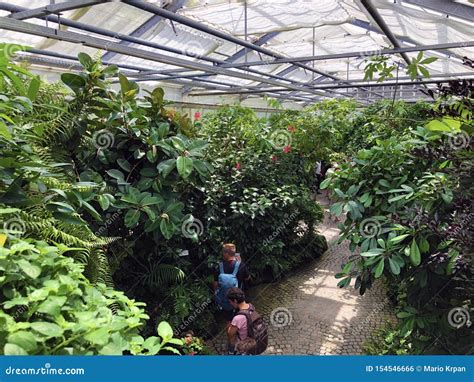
(367, 4)
(95, 42)
(460, 44)
(372, 85)
(105, 32)
(204, 28)
(54, 8)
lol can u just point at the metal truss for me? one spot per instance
(195, 71)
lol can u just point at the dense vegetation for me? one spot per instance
(409, 218)
(108, 197)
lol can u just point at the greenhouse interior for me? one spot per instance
(236, 177)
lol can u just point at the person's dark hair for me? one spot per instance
(189, 333)
(236, 294)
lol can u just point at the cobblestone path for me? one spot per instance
(308, 313)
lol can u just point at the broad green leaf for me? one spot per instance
(98, 336)
(29, 269)
(4, 131)
(13, 349)
(344, 282)
(74, 81)
(52, 305)
(104, 202)
(25, 340)
(86, 61)
(184, 166)
(398, 239)
(116, 174)
(379, 268)
(325, 183)
(394, 267)
(415, 253)
(336, 208)
(163, 129)
(131, 217)
(47, 329)
(166, 228)
(124, 164)
(166, 167)
(373, 252)
(33, 88)
(151, 200)
(165, 331)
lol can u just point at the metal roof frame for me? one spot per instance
(325, 85)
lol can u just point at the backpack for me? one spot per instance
(225, 282)
(256, 328)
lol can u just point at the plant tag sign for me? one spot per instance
(184, 253)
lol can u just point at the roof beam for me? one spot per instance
(459, 44)
(54, 8)
(324, 87)
(380, 22)
(206, 29)
(99, 43)
(149, 24)
(450, 8)
(136, 40)
(405, 39)
(242, 52)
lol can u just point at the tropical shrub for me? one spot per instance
(66, 180)
(257, 197)
(49, 307)
(410, 218)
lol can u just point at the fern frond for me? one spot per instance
(161, 274)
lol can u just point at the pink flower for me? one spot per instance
(287, 149)
(274, 158)
(237, 166)
(291, 129)
(197, 115)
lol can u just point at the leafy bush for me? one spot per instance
(409, 215)
(49, 307)
(257, 196)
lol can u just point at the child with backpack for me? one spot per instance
(246, 325)
(232, 273)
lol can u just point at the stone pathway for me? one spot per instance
(308, 313)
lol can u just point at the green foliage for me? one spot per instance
(381, 120)
(49, 307)
(388, 341)
(383, 67)
(409, 219)
(84, 172)
(258, 196)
